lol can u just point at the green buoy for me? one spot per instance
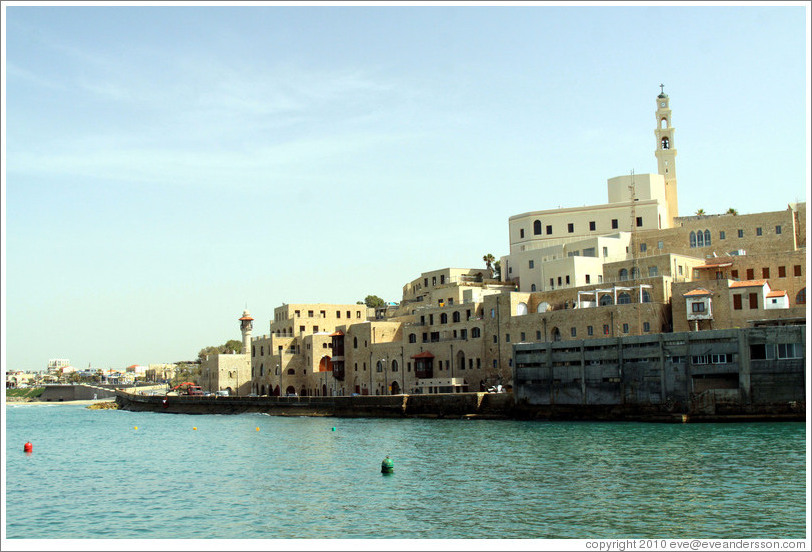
(387, 466)
(334, 429)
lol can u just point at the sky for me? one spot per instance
(165, 167)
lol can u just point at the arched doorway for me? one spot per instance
(290, 390)
(303, 392)
(275, 391)
(460, 360)
(395, 388)
(325, 364)
(556, 334)
(324, 390)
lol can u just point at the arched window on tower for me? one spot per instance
(537, 227)
(663, 123)
(665, 142)
(693, 238)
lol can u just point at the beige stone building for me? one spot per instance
(230, 372)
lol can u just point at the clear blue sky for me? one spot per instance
(164, 166)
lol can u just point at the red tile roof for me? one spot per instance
(697, 292)
(748, 283)
(336, 333)
(777, 293)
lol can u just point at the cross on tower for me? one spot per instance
(661, 88)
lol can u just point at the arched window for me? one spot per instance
(444, 318)
(800, 299)
(354, 342)
(379, 366)
(455, 317)
(532, 287)
(635, 273)
(663, 123)
(700, 239)
(623, 274)
(394, 365)
(412, 338)
(605, 300)
(261, 370)
(521, 309)
(707, 238)
(646, 297)
(624, 299)
(556, 334)
(537, 227)
(476, 332)
(665, 142)
(692, 238)
(291, 372)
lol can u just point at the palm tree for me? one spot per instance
(489, 259)
(700, 212)
(732, 211)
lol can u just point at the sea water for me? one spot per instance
(92, 474)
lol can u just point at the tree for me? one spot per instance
(489, 259)
(231, 346)
(732, 211)
(185, 371)
(700, 212)
(374, 302)
(497, 269)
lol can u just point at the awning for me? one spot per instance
(424, 354)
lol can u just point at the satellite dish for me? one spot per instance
(544, 306)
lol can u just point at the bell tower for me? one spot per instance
(666, 153)
(246, 325)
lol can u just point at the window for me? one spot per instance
(589, 330)
(310, 314)
(434, 280)
(606, 329)
(537, 227)
(692, 239)
(625, 328)
(522, 336)
(358, 314)
(476, 332)
(394, 365)
(721, 234)
(697, 307)
(796, 270)
(559, 280)
(734, 274)
(605, 300)
(707, 238)
(660, 244)
(765, 272)
(586, 276)
(720, 359)
(253, 351)
(552, 282)
(643, 248)
(455, 317)
(493, 313)
(639, 221)
(567, 279)
(800, 299)
(754, 300)
(758, 231)
(495, 338)
(431, 320)
(572, 332)
(592, 225)
(750, 274)
(652, 271)
(463, 334)
(646, 297)
(614, 223)
(679, 270)
(443, 318)
(605, 251)
(700, 359)
(624, 299)
(740, 233)
(315, 329)
(782, 272)
(507, 338)
(348, 314)
(570, 227)
(531, 264)
(412, 338)
(521, 232)
(700, 239)
(646, 327)
(538, 335)
(623, 274)
(532, 287)
(354, 342)
(778, 229)
(790, 350)
(549, 229)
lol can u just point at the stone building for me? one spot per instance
(230, 372)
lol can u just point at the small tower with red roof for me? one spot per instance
(246, 325)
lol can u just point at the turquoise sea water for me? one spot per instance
(92, 475)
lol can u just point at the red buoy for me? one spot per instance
(28, 447)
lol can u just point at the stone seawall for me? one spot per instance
(452, 405)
